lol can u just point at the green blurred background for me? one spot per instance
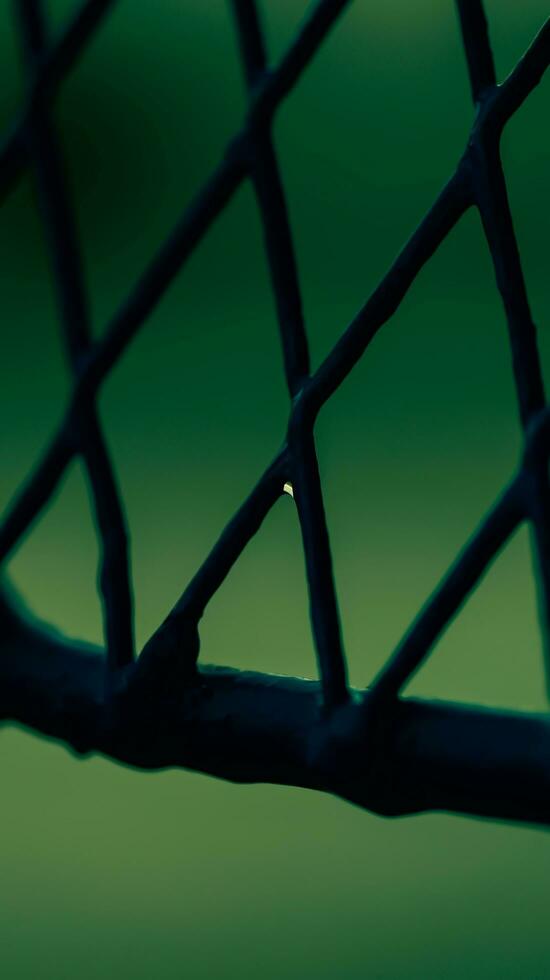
(107, 872)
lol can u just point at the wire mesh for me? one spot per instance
(478, 181)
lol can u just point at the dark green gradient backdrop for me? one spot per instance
(109, 873)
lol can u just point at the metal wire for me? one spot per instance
(64, 252)
(478, 181)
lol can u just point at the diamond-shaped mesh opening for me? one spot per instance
(407, 467)
(58, 561)
(342, 140)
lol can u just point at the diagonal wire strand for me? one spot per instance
(64, 251)
(499, 524)
(305, 477)
(475, 37)
(492, 201)
(53, 66)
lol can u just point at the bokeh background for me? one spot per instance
(106, 872)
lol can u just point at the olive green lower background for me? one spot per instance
(106, 872)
